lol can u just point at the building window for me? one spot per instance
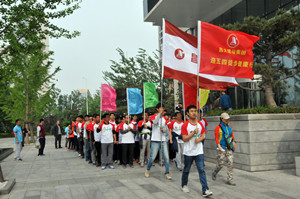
(239, 12)
(256, 8)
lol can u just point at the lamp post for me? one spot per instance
(87, 103)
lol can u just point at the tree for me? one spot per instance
(132, 72)
(20, 19)
(277, 36)
(25, 62)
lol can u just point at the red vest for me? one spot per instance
(42, 132)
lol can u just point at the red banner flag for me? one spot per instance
(108, 98)
(225, 53)
(179, 57)
(190, 95)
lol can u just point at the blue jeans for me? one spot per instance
(155, 146)
(87, 150)
(199, 160)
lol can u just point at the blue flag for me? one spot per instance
(134, 101)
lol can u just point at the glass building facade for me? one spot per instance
(257, 8)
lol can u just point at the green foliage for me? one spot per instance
(277, 35)
(27, 77)
(257, 110)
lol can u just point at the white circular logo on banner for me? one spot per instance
(179, 53)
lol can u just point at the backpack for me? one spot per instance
(229, 140)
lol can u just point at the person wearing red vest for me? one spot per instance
(71, 137)
(41, 136)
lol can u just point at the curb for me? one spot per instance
(8, 187)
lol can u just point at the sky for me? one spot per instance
(104, 26)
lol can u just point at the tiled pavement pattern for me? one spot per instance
(61, 174)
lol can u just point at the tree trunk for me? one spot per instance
(31, 131)
(27, 104)
(1, 175)
(269, 96)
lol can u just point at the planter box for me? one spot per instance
(265, 141)
(297, 164)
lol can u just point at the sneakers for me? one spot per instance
(168, 176)
(103, 167)
(185, 189)
(147, 173)
(207, 193)
(131, 165)
(111, 167)
(124, 166)
(142, 164)
(230, 183)
(213, 176)
(19, 159)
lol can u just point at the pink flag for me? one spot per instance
(108, 98)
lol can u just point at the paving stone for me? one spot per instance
(61, 174)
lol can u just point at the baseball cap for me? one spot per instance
(225, 116)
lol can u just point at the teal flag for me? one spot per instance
(150, 95)
(134, 101)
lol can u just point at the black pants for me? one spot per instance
(67, 141)
(71, 143)
(58, 139)
(120, 153)
(98, 152)
(137, 150)
(172, 154)
(81, 144)
(116, 155)
(127, 153)
(75, 143)
(42, 145)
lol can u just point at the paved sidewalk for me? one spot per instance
(61, 174)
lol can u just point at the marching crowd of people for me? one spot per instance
(108, 140)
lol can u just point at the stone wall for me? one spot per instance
(264, 141)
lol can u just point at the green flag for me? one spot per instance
(150, 95)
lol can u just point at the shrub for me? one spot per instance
(257, 110)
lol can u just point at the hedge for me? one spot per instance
(257, 110)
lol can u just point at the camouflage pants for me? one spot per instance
(221, 157)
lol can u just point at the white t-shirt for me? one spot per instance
(120, 135)
(107, 133)
(75, 131)
(176, 127)
(97, 135)
(145, 131)
(190, 147)
(79, 126)
(136, 137)
(157, 135)
(127, 138)
(84, 130)
(204, 122)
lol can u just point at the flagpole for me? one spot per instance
(183, 101)
(100, 99)
(144, 103)
(161, 96)
(198, 63)
(127, 105)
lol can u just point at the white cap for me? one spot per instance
(225, 116)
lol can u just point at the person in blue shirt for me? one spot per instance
(225, 102)
(18, 139)
(67, 136)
